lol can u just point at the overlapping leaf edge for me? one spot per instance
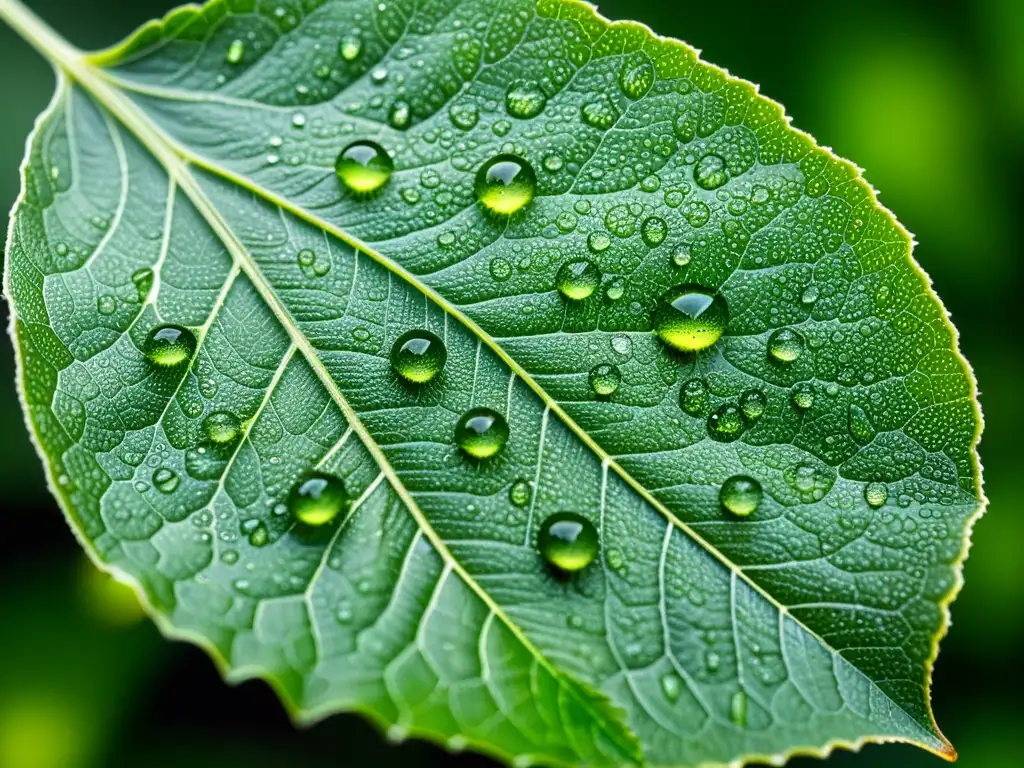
(157, 30)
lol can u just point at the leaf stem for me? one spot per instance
(39, 34)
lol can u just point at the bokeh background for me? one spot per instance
(927, 96)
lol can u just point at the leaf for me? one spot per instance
(204, 150)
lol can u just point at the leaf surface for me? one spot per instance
(203, 151)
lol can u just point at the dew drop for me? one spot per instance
(600, 113)
(165, 480)
(653, 231)
(691, 318)
(505, 184)
(605, 379)
(464, 116)
(785, 345)
(481, 432)
(861, 428)
(235, 52)
(350, 47)
(875, 494)
(711, 172)
(418, 356)
(568, 541)
(741, 495)
(259, 536)
(671, 686)
(753, 404)
(616, 289)
(693, 397)
(681, 257)
(598, 242)
(519, 494)
(306, 258)
(637, 75)
(106, 305)
(810, 294)
(170, 345)
(501, 269)
(738, 709)
(400, 115)
(578, 279)
(221, 427)
(317, 498)
(525, 99)
(726, 423)
(363, 167)
(803, 395)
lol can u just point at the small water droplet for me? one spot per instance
(418, 356)
(785, 345)
(622, 344)
(598, 242)
(671, 685)
(861, 428)
(481, 432)
(691, 318)
(681, 257)
(568, 541)
(711, 172)
(317, 498)
(615, 290)
(235, 52)
(165, 480)
(170, 345)
(106, 305)
(400, 116)
(299, 120)
(350, 47)
(876, 494)
(221, 427)
(738, 709)
(229, 556)
(501, 269)
(578, 279)
(726, 423)
(520, 493)
(364, 167)
(803, 395)
(259, 536)
(693, 396)
(464, 116)
(525, 99)
(505, 184)
(637, 75)
(605, 379)
(600, 112)
(741, 495)
(810, 294)
(753, 404)
(653, 231)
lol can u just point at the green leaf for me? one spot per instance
(204, 149)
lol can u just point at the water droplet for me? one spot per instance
(299, 120)
(568, 541)
(875, 494)
(738, 709)
(525, 99)
(616, 288)
(317, 498)
(622, 344)
(501, 269)
(578, 279)
(259, 536)
(803, 395)
(691, 318)
(306, 258)
(221, 427)
(741, 495)
(400, 116)
(505, 184)
(671, 686)
(615, 560)
(637, 75)
(364, 167)
(418, 356)
(605, 379)
(753, 404)
(170, 345)
(653, 231)
(681, 257)
(519, 494)
(106, 305)
(726, 423)
(464, 116)
(810, 294)
(693, 396)
(598, 242)
(553, 163)
(350, 47)
(711, 172)
(785, 345)
(861, 428)
(600, 113)
(165, 480)
(481, 432)
(229, 556)
(235, 52)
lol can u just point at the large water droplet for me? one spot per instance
(169, 345)
(875, 494)
(568, 541)
(481, 432)
(418, 356)
(691, 318)
(785, 345)
(578, 279)
(693, 396)
(753, 404)
(165, 480)
(221, 427)
(653, 231)
(711, 172)
(637, 75)
(605, 379)
(505, 184)
(364, 167)
(726, 423)
(317, 498)
(525, 99)
(741, 495)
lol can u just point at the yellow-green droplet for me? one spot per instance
(711, 172)
(221, 427)
(505, 184)
(691, 318)
(741, 495)
(653, 231)
(568, 541)
(785, 345)
(350, 47)
(519, 494)
(726, 423)
(605, 379)
(578, 279)
(525, 99)
(875, 494)
(235, 52)
(671, 685)
(738, 709)
(637, 75)
(400, 115)
(693, 396)
(170, 345)
(364, 167)
(803, 395)
(418, 356)
(481, 432)
(317, 498)
(753, 404)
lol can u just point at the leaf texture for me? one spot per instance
(203, 150)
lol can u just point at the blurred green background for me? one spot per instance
(927, 96)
